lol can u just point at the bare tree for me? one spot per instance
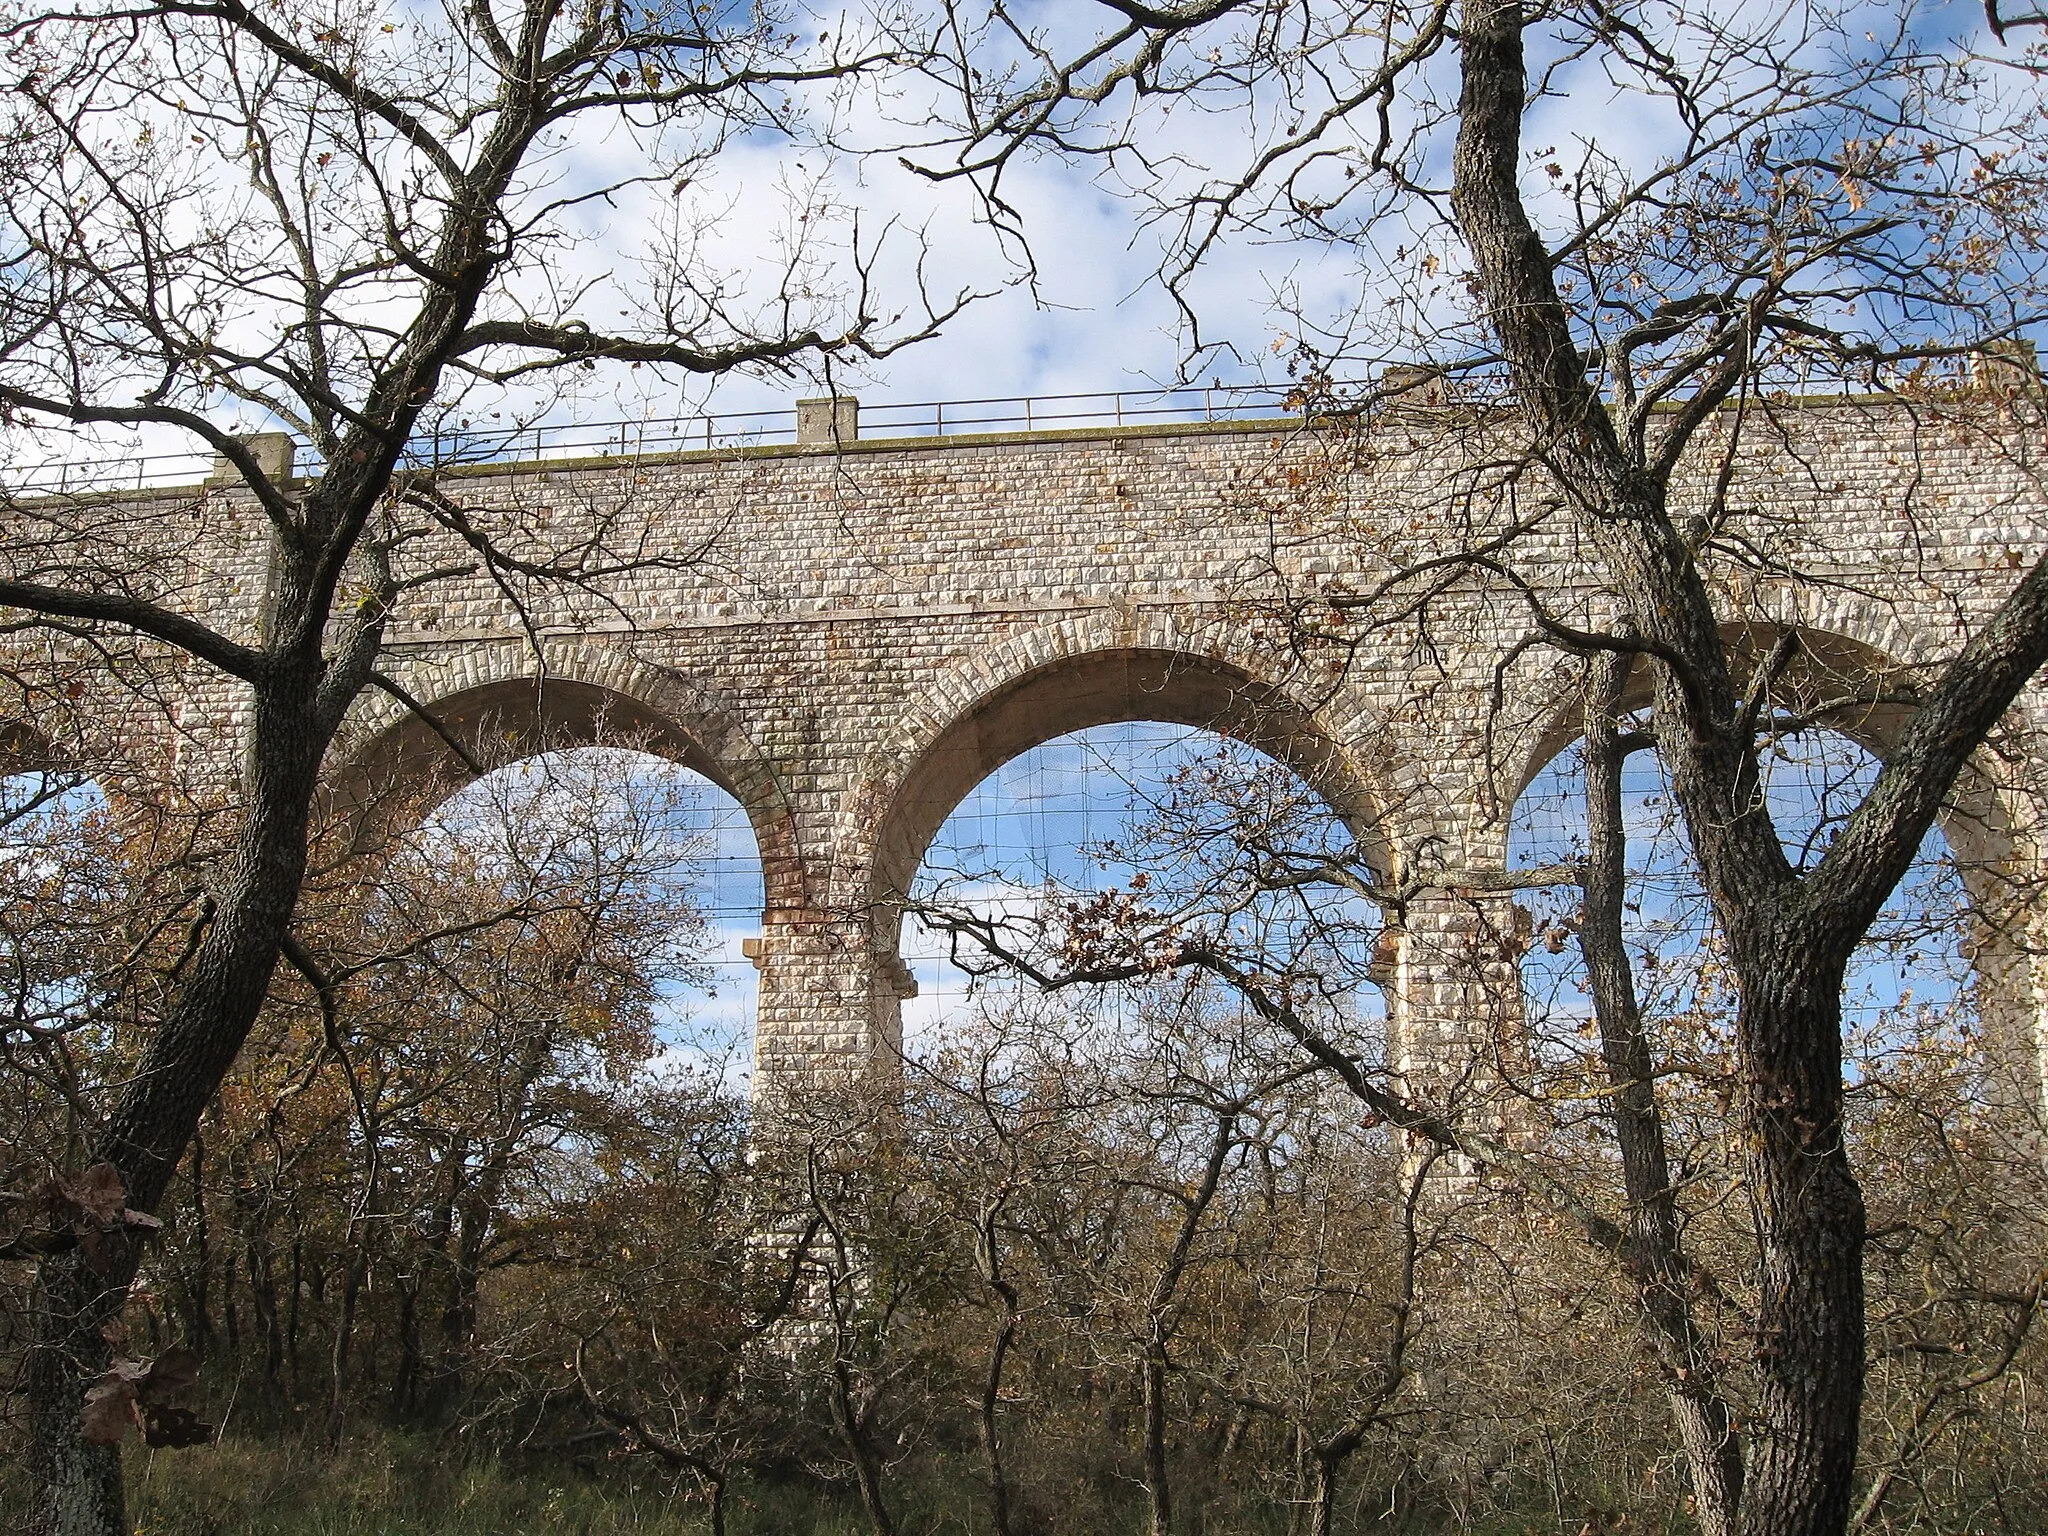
(1835, 192)
(342, 223)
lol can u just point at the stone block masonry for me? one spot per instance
(848, 633)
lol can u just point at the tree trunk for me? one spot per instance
(344, 1338)
(1810, 1338)
(405, 1385)
(1324, 1509)
(851, 1416)
(1810, 1328)
(145, 1137)
(199, 1301)
(714, 1484)
(991, 1396)
(291, 1328)
(1656, 1258)
(1158, 1482)
(263, 1286)
(76, 1485)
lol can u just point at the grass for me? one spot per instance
(383, 1483)
(387, 1485)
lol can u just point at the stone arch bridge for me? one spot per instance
(847, 632)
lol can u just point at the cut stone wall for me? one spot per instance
(846, 634)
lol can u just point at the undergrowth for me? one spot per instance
(390, 1485)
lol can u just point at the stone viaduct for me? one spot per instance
(849, 631)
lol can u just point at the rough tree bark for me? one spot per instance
(1681, 284)
(1790, 937)
(383, 315)
(1655, 1255)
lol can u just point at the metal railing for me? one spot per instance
(486, 441)
(464, 443)
(1051, 413)
(114, 472)
(473, 442)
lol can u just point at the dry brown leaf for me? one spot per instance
(149, 1395)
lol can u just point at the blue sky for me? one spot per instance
(1039, 823)
(1812, 781)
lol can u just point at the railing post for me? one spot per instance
(827, 421)
(273, 452)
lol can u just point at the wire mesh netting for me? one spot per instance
(1121, 841)
(1910, 974)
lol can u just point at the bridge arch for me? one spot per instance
(1991, 822)
(1068, 677)
(501, 705)
(1829, 664)
(1053, 681)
